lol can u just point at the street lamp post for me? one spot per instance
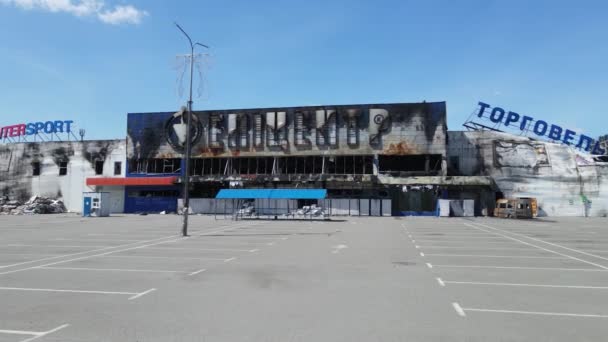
(188, 142)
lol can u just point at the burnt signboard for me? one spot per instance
(397, 128)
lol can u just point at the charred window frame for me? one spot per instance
(350, 164)
(408, 165)
(455, 163)
(276, 129)
(153, 193)
(326, 121)
(63, 168)
(155, 166)
(301, 129)
(36, 168)
(99, 167)
(117, 168)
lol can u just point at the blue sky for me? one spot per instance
(95, 61)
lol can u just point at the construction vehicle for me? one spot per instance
(522, 207)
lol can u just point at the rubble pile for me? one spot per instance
(35, 205)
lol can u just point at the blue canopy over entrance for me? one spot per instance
(272, 194)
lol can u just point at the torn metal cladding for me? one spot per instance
(565, 182)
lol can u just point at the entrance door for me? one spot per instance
(86, 211)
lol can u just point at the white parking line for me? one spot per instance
(468, 238)
(429, 265)
(116, 249)
(535, 313)
(197, 272)
(253, 250)
(480, 248)
(107, 269)
(91, 256)
(458, 309)
(251, 237)
(26, 254)
(95, 239)
(524, 268)
(526, 285)
(160, 257)
(68, 255)
(27, 289)
(539, 247)
(497, 256)
(199, 249)
(460, 242)
(543, 241)
(59, 246)
(421, 254)
(141, 294)
(229, 259)
(441, 282)
(35, 334)
(442, 234)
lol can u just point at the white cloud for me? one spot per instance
(121, 14)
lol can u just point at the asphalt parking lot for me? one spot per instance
(134, 278)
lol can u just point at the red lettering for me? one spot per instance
(21, 129)
(16, 130)
(12, 131)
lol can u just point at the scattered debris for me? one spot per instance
(35, 205)
(312, 210)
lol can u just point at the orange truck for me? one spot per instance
(521, 207)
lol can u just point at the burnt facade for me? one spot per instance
(565, 182)
(343, 148)
(59, 169)
(374, 159)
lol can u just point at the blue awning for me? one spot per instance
(272, 193)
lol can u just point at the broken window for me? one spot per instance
(216, 124)
(282, 165)
(154, 166)
(153, 193)
(425, 164)
(238, 126)
(36, 169)
(117, 168)
(99, 167)
(327, 125)
(301, 129)
(276, 128)
(455, 163)
(63, 168)
(258, 131)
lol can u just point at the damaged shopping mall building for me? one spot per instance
(373, 159)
